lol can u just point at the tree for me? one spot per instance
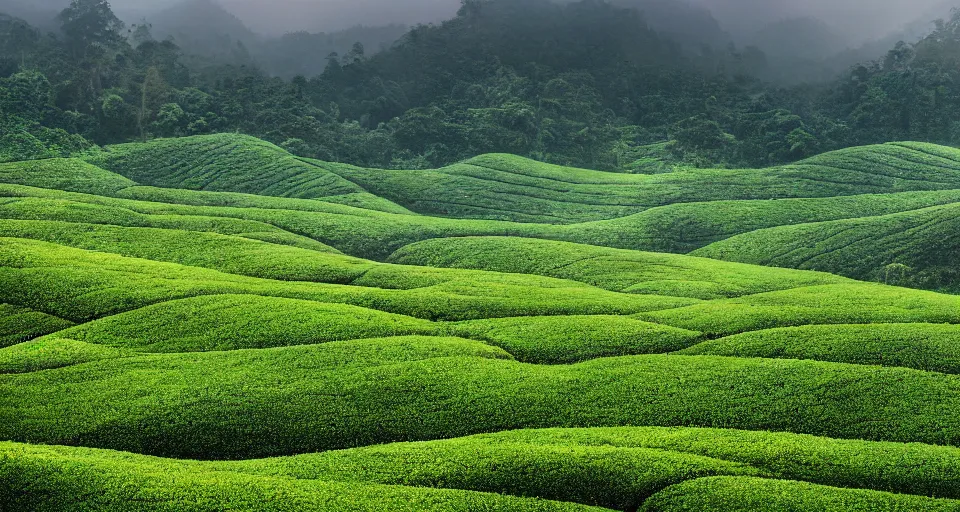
(802, 143)
(151, 92)
(116, 117)
(141, 33)
(91, 28)
(28, 94)
(170, 120)
(355, 55)
(17, 39)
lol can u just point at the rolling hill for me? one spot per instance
(212, 323)
(910, 248)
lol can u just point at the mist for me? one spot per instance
(858, 20)
(861, 20)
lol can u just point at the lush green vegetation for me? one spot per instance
(617, 468)
(857, 303)
(226, 322)
(106, 481)
(64, 174)
(173, 309)
(675, 227)
(21, 324)
(931, 347)
(570, 339)
(755, 494)
(395, 297)
(249, 403)
(917, 248)
(579, 83)
(83, 285)
(219, 324)
(492, 187)
(611, 269)
(257, 167)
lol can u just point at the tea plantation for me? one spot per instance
(211, 323)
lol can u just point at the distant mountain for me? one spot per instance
(203, 28)
(687, 24)
(859, 20)
(690, 26)
(208, 30)
(284, 16)
(40, 14)
(799, 38)
(911, 32)
(304, 53)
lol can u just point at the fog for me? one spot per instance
(329, 15)
(858, 20)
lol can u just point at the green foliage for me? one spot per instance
(251, 403)
(852, 303)
(227, 322)
(91, 28)
(934, 348)
(231, 254)
(111, 482)
(685, 227)
(757, 494)
(611, 269)
(187, 297)
(571, 339)
(507, 188)
(677, 227)
(20, 324)
(64, 174)
(614, 467)
(257, 167)
(83, 285)
(24, 100)
(914, 248)
(117, 213)
(908, 468)
(582, 83)
(48, 353)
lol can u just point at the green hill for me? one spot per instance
(676, 212)
(499, 334)
(510, 188)
(232, 163)
(611, 269)
(290, 400)
(932, 347)
(618, 468)
(916, 248)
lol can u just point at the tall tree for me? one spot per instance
(91, 28)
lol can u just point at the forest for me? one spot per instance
(586, 83)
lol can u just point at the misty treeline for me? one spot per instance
(583, 83)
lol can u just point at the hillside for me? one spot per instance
(912, 248)
(915, 248)
(853, 212)
(211, 323)
(202, 28)
(509, 188)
